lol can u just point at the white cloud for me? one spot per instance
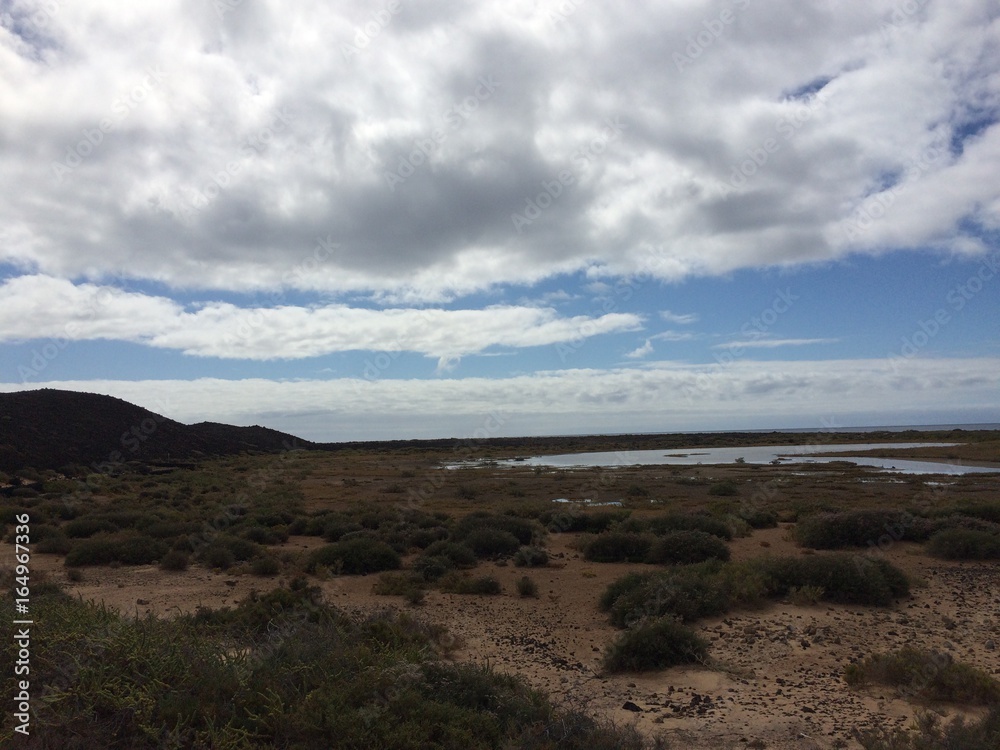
(772, 343)
(643, 351)
(42, 307)
(231, 144)
(678, 318)
(673, 336)
(660, 396)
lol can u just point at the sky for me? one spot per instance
(424, 218)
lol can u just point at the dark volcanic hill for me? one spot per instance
(48, 429)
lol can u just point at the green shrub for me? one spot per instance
(484, 585)
(334, 530)
(690, 522)
(490, 543)
(523, 529)
(55, 544)
(723, 489)
(397, 584)
(683, 547)
(759, 518)
(615, 546)
(355, 556)
(687, 593)
(926, 675)
(265, 535)
(82, 528)
(930, 734)
(316, 679)
(265, 566)
(845, 579)
(218, 557)
(531, 557)
(174, 560)
(424, 538)
(655, 644)
(128, 550)
(527, 587)
(460, 555)
(432, 567)
(964, 544)
(854, 528)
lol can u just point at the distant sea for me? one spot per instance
(885, 428)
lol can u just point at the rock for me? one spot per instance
(630, 706)
(990, 645)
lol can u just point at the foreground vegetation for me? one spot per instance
(281, 670)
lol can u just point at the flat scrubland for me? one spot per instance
(369, 598)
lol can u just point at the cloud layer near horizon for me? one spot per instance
(656, 397)
(258, 145)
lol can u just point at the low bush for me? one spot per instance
(931, 734)
(266, 565)
(484, 585)
(655, 644)
(104, 549)
(854, 528)
(690, 592)
(492, 543)
(460, 555)
(759, 518)
(845, 579)
(616, 546)
(355, 556)
(690, 522)
(964, 544)
(432, 567)
(174, 560)
(55, 544)
(723, 489)
(925, 675)
(527, 587)
(531, 557)
(683, 547)
(82, 528)
(316, 674)
(266, 534)
(398, 584)
(523, 529)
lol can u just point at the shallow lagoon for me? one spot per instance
(759, 454)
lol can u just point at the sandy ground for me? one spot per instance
(777, 677)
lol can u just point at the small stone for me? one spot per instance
(630, 706)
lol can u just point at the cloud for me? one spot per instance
(673, 336)
(679, 319)
(772, 343)
(37, 306)
(201, 150)
(658, 396)
(643, 351)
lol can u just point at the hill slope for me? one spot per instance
(47, 429)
